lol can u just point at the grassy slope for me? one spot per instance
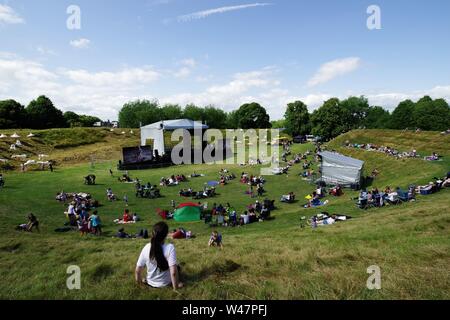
(69, 146)
(271, 260)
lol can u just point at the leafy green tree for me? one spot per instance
(42, 114)
(12, 114)
(88, 121)
(403, 116)
(252, 116)
(278, 124)
(215, 118)
(71, 119)
(356, 109)
(377, 118)
(171, 112)
(432, 114)
(138, 112)
(193, 112)
(330, 120)
(232, 120)
(297, 119)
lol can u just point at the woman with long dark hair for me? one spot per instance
(160, 260)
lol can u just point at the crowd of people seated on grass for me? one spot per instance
(324, 219)
(434, 186)
(388, 196)
(227, 216)
(147, 191)
(392, 151)
(173, 180)
(207, 192)
(296, 159)
(32, 223)
(79, 200)
(251, 179)
(226, 176)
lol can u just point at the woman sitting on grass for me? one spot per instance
(160, 260)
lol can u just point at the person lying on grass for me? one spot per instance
(32, 223)
(160, 260)
(122, 234)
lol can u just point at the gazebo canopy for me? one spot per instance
(176, 124)
(155, 131)
(337, 168)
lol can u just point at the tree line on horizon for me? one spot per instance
(40, 114)
(331, 119)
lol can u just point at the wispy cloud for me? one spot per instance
(207, 13)
(45, 51)
(9, 16)
(333, 69)
(80, 43)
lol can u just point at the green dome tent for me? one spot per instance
(187, 214)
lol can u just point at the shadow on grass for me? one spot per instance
(217, 269)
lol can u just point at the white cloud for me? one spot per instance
(186, 68)
(9, 16)
(333, 69)
(207, 13)
(98, 93)
(183, 73)
(45, 51)
(80, 43)
(127, 76)
(104, 93)
(191, 63)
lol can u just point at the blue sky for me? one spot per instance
(223, 53)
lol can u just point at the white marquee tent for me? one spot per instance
(155, 131)
(337, 168)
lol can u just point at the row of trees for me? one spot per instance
(336, 116)
(143, 112)
(40, 114)
(333, 118)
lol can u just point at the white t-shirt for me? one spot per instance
(155, 277)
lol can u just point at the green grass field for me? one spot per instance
(269, 260)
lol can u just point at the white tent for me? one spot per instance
(2, 136)
(30, 135)
(155, 131)
(339, 169)
(15, 135)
